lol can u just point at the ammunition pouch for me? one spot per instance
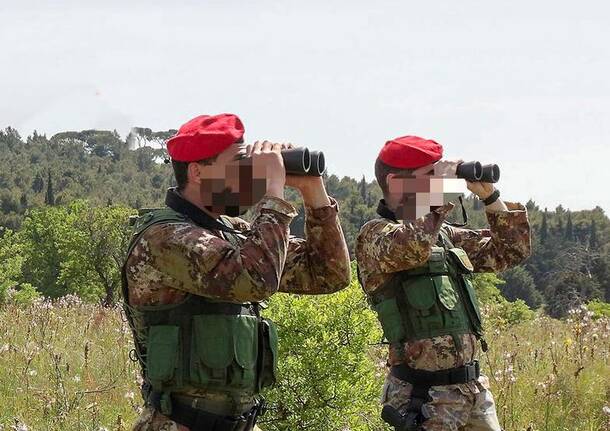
(435, 299)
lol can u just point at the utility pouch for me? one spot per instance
(436, 262)
(162, 354)
(224, 350)
(391, 322)
(269, 342)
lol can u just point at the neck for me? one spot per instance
(194, 197)
(392, 204)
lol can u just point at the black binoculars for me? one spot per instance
(301, 161)
(474, 171)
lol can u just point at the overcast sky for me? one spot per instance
(525, 84)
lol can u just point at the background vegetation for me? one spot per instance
(64, 209)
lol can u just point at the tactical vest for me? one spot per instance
(434, 299)
(199, 343)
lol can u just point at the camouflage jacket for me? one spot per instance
(171, 260)
(384, 247)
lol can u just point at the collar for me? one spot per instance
(175, 201)
(384, 211)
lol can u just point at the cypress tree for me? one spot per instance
(38, 183)
(544, 229)
(363, 189)
(593, 240)
(49, 198)
(569, 233)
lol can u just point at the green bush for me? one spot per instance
(599, 308)
(328, 376)
(498, 311)
(25, 295)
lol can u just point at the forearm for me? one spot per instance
(497, 206)
(505, 244)
(320, 263)
(315, 196)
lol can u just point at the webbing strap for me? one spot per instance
(451, 376)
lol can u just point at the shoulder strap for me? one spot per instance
(150, 217)
(444, 236)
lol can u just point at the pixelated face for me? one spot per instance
(416, 195)
(230, 185)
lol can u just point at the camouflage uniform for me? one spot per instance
(385, 247)
(172, 260)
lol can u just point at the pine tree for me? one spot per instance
(531, 205)
(49, 198)
(520, 285)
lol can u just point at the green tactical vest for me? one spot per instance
(199, 343)
(435, 299)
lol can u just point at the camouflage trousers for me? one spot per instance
(468, 406)
(152, 420)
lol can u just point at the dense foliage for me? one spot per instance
(53, 243)
(64, 209)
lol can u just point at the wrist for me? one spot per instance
(275, 190)
(493, 197)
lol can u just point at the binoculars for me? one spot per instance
(474, 171)
(301, 161)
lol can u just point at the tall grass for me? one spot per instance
(66, 366)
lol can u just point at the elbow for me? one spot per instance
(420, 254)
(338, 274)
(250, 289)
(340, 279)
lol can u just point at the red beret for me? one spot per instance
(410, 152)
(204, 137)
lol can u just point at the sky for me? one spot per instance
(522, 84)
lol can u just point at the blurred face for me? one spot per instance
(414, 196)
(230, 186)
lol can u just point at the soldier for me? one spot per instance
(416, 271)
(196, 273)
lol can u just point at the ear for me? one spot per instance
(389, 177)
(194, 173)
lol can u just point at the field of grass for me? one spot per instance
(66, 367)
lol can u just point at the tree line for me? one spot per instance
(65, 202)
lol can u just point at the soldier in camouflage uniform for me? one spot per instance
(195, 275)
(416, 271)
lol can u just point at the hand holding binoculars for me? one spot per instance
(301, 161)
(475, 171)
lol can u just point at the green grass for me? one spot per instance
(66, 367)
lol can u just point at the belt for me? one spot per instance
(451, 376)
(200, 420)
(224, 407)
